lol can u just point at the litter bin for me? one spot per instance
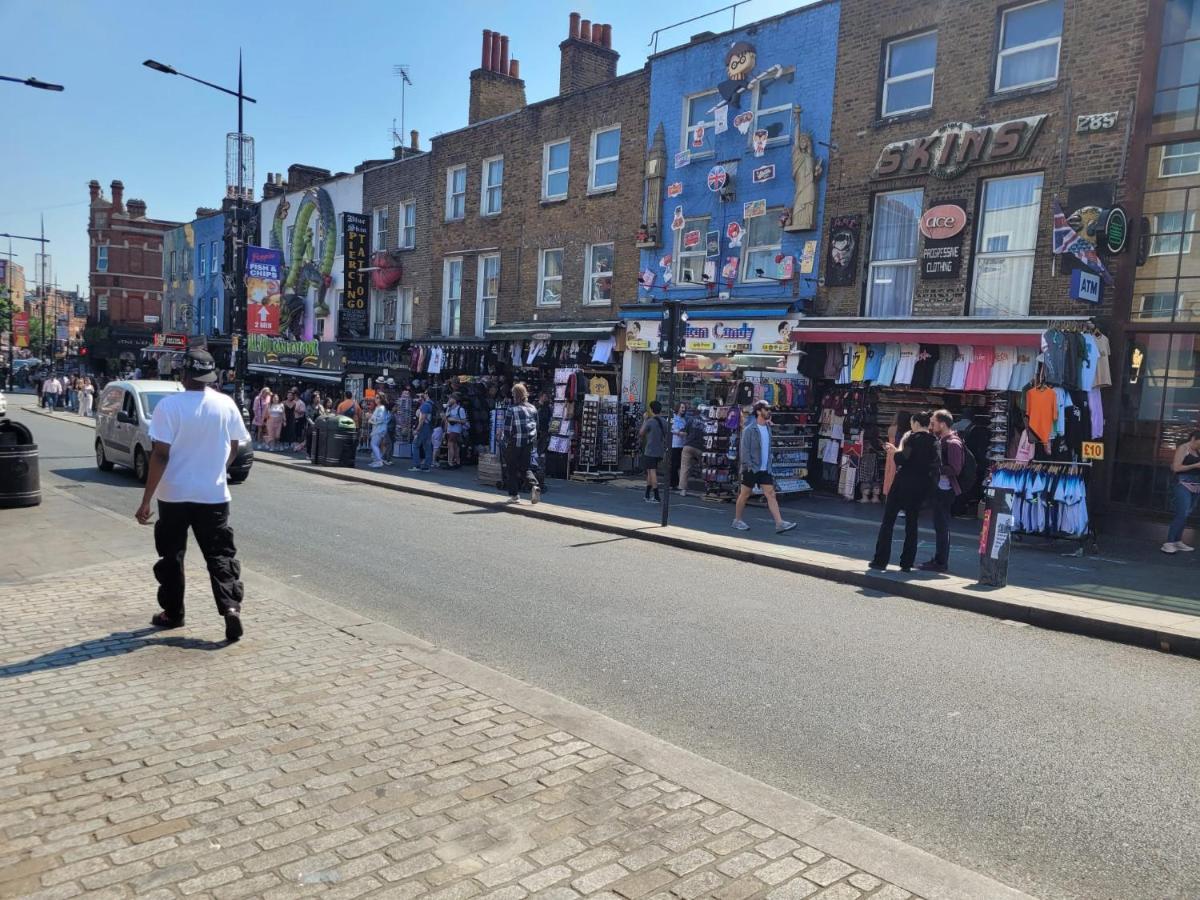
(338, 442)
(995, 538)
(20, 483)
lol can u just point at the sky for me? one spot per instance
(324, 87)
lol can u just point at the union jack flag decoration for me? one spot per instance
(1067, 240)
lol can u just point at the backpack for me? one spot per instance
(968, 476)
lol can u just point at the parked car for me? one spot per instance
(123, 429)
(3, 404)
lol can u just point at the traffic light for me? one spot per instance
(671, 337)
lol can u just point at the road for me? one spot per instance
(1062, 765)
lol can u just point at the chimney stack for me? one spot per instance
(587, 55)
(413, 143)
(496, 86)
(137, 209)
(118, 196)
(94, 190)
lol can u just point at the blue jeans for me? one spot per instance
(1185, 503)
(422, 448)
(942, 502)
(377, 439)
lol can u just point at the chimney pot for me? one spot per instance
(494, 62)
(585, 30)
(118, 196)
(485, 62)
(94, 189)
(503, 54)
(413, 141)
(514, 69)
(597, 33)
(575, 25)
(607, 39)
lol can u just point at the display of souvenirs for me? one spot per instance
(718, 460)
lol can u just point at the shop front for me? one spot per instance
(281, 364)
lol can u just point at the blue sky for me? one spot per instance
(324, 85)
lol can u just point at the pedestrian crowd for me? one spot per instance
(74, 393)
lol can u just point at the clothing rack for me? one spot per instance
(1041, 462)
(1088, 540)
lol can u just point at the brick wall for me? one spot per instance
(526, 224)
(1098, 70)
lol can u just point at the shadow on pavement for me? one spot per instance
(116, 644)
(92, 475)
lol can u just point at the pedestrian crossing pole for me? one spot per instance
(674, 321)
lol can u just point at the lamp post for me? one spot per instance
(33, 83)
(43, 240)
(238, 312)
(674, 323)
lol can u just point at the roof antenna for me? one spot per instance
(400, 70)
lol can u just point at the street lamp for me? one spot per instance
(43, 240)
(33, 83)
(238, 317)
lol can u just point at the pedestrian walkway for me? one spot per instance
(328, 754)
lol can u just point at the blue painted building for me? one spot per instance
(193, 282)
(738, 122)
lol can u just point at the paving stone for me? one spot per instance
(639, 884)
(864, 882)
(843, 891)
(793, 890)
(599, 878)
(828, 872)
(891, 892)
(702, 884)
(690, 861)
(739, 865)
(780, 870)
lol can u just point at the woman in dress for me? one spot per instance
(261, 402)
(87, 393)
(274, 422)
(915, 460)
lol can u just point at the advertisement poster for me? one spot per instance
(354, 317)
(712, 244)
(841, 260)
(263, 294)
(754, 208)
(942, 253)
(21, 329)
(268, 351)
(808, 259)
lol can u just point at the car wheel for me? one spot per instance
(102, 462)
(141, 466)
(236, 479)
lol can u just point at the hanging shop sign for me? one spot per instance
(717, 176)
(717, 336)
(942, 254)
(683, 158)
(171, 341)
(712, 244)
(264, 350)
(264, 297)
(957, 146)
(1085, 286)
(763, 174)
(353, 316)
(20, 324)
(642, 334)
(1113, 231)
(841, 257)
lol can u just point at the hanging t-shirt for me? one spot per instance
(1003, 363)
(927, 360)
(887, 370)
(1096, 408)
(1103, 376)
(847, 364)
(1041, 406)
(859, 367)
(943, 370)
(1063, 399)
(908, 361)
(1054, 356)
(1087, 362)
(812, 363)
(980, 370)
(963, 357)
(1024, 369)
(875, 354)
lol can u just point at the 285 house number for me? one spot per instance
(1097, 122)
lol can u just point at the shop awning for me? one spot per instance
(294, 372)
(552, 331)
(1024, 332)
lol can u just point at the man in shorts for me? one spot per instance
(754, 460)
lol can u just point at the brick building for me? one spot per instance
(125, 274)
(957, 126)
(536, 207)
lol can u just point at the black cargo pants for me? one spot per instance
(209, 522)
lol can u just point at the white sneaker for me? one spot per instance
(1183, 548)
(375, 465)
(535, 494)
(740, 525)
(1169, 548)
(784, 526)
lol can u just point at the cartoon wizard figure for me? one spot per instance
(739, 63)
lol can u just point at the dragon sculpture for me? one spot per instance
(301, 269)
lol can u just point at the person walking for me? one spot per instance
(379, 424)
(456, 423)
(1186, 491)
(678, 441)
(195, 433)
(520, 433)
(545, 408)
(754, 460)
(915, 462)
(951, 456)
(653, 437)
(422, 446)
(693, 448)
(87, 394)
(259, 410)
(348, 407)
(50, 391)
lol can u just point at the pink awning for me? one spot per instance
(987, 338)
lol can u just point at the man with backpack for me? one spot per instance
(693, 447)
(956, 474)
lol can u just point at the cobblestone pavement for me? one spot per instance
(305, 760)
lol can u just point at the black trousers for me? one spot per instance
(897, 501)
(209, 522)
(516, 466)
(677, 462)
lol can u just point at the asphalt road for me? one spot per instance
(1062, 765)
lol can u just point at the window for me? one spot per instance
(452, 272)
(408, 231)
(996, 243)
(404, 308)
(202, 266)
(216, 257)
(556, 162)
(550, 278)
(908, 74)
(491, 198)
(597, 288)
(1177, 97)
(606, 151)
(102, 258)
(379, 226)
(383, 318)
(456, 192)
(689, 261)
(1009, 208)
(773, 107)
(696, 114)
(764, 235)
(1180, 159)
(1030, 37)
(215, 327)
(488, 292)
(1167, 236)
(894, 253)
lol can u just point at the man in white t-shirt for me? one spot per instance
(196, 434)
